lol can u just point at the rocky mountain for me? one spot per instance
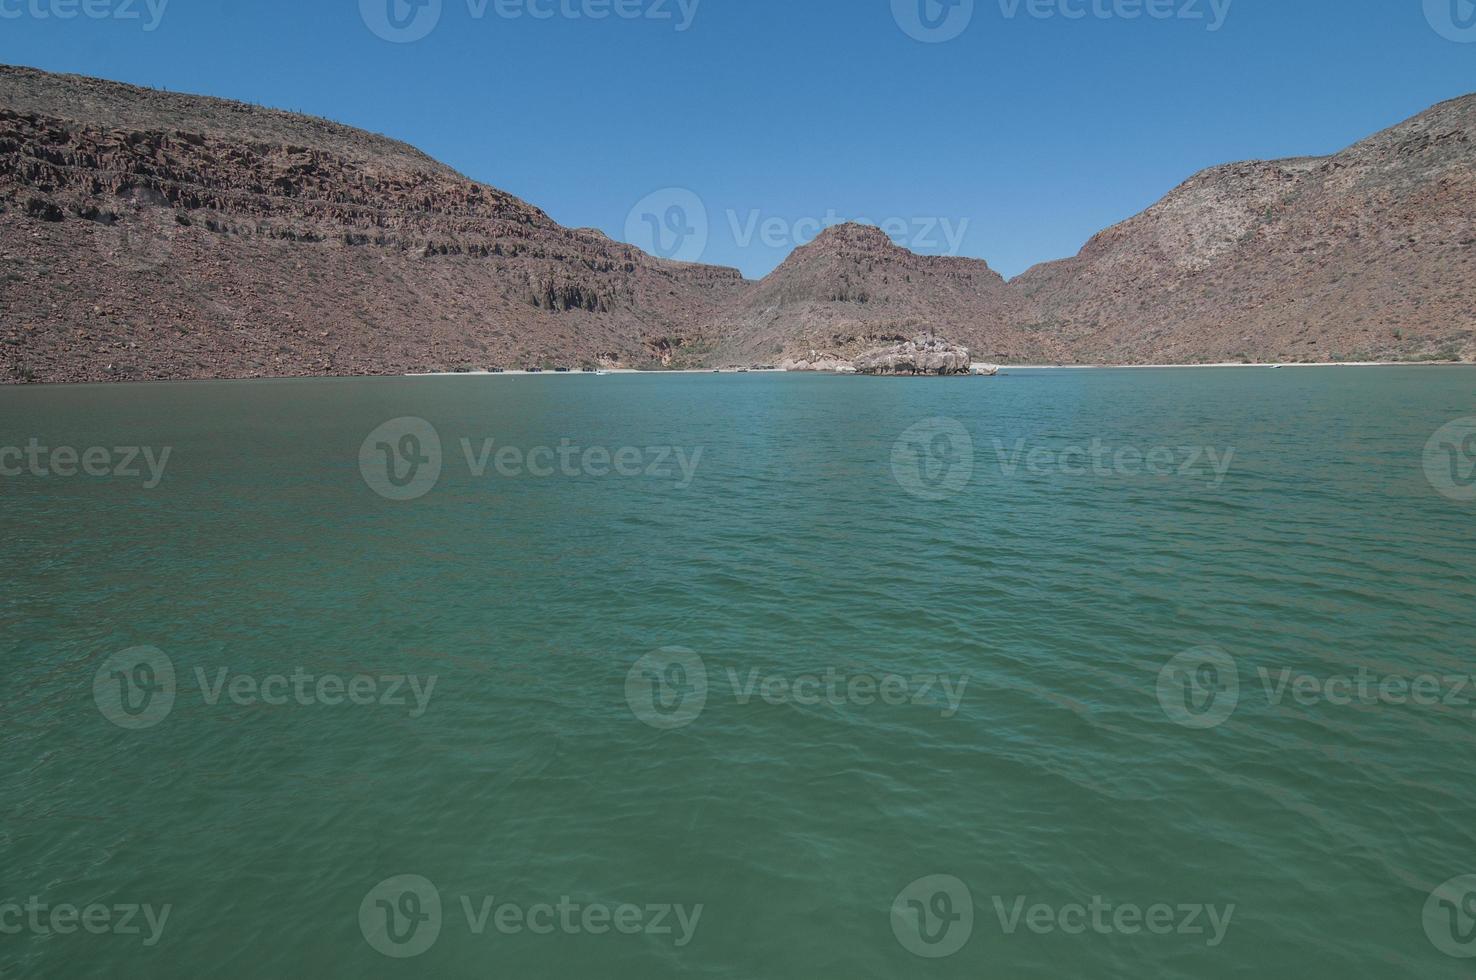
(1366, 254)
(145, 234)
(852, 288)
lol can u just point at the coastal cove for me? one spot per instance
(1013, 520)
(226, 240)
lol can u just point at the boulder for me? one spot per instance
(921, 355)
(819, 362)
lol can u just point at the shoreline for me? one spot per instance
(582, 374)
(1002, 367)
(1238, 364)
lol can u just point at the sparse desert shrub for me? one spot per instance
(39, 207)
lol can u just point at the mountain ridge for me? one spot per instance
(148, 234)
(1360, 254)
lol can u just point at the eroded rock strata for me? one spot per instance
(147, 234)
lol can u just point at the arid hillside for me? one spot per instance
(147, 234)
(1367, 254)
(852, 288)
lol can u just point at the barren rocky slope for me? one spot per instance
(145, 234)
(852, 288)
(150, 235)
(1367, 254)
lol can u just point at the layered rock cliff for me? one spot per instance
(145, 234)
(151, 235)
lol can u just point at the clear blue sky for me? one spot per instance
(1036, 131)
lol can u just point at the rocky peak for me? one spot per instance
(856, 235)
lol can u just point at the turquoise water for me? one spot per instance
(1018, 619)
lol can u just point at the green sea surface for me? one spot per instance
(1106, 673)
